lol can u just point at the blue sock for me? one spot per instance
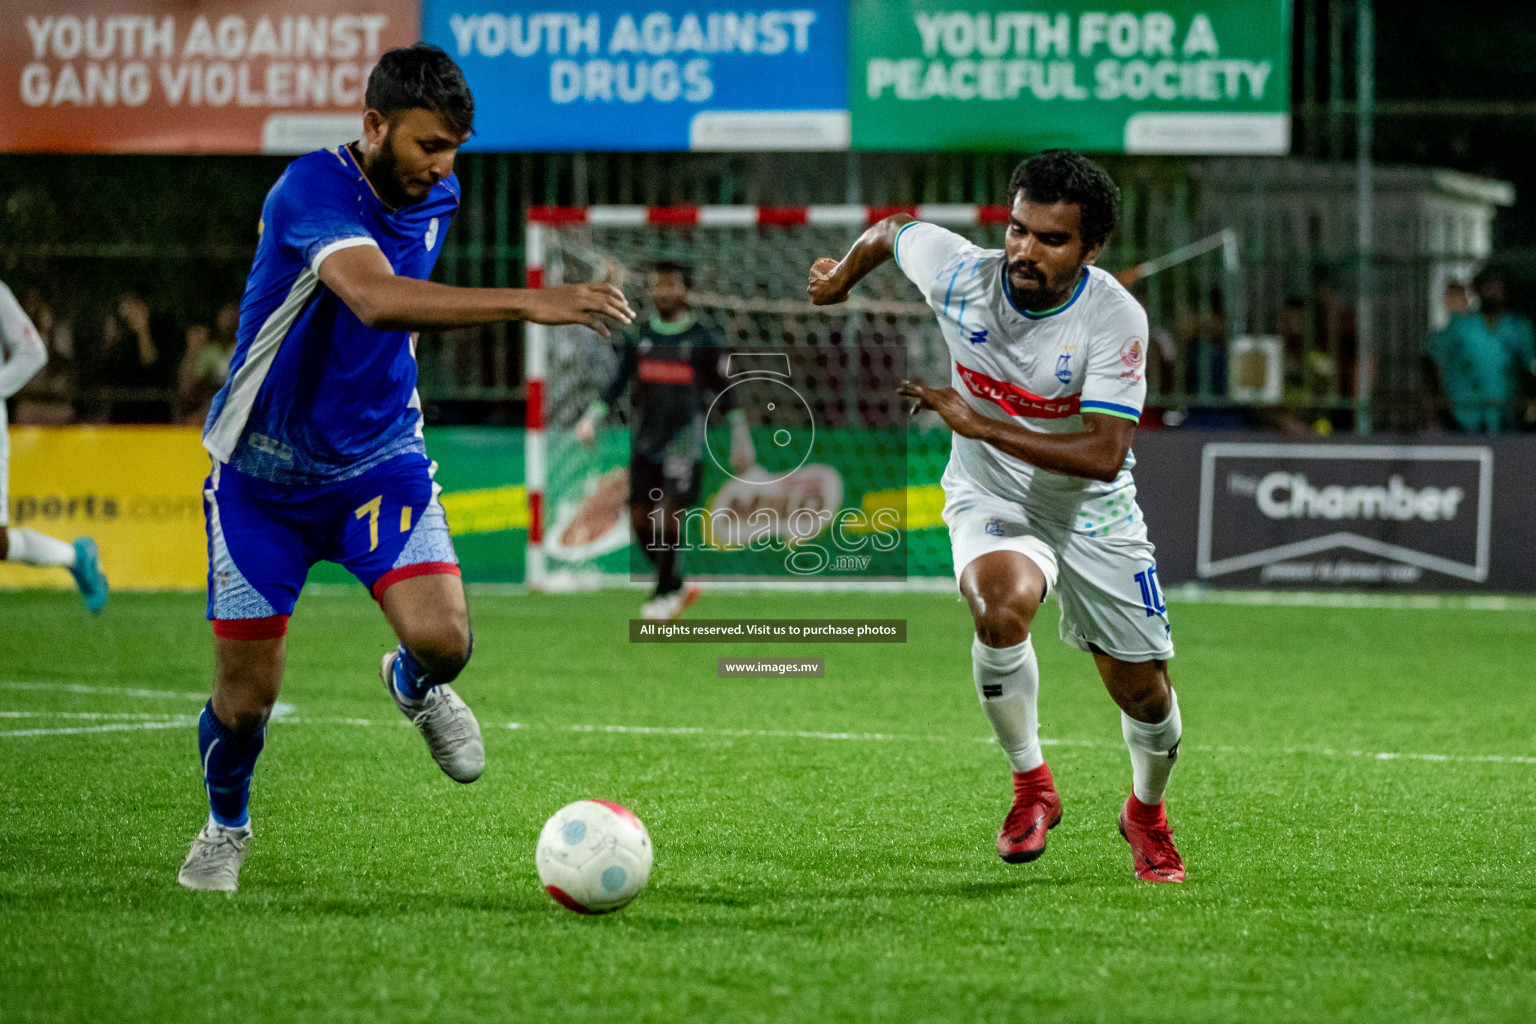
(228, 761)
(412, 680)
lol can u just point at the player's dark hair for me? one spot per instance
(1062, 176)
(424, 77)
(682, 270)
(1485, 275)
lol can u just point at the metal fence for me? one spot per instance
(1293, 221)
(1296, 276)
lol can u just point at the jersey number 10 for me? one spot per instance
(1151, 592)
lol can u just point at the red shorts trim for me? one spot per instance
(405, 572)
(269, 628)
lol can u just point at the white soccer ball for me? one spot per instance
(593, 856)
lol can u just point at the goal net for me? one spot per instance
(835, 451)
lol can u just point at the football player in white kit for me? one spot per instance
(22, 354)
(1045, 392)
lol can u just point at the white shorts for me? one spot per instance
(1110, 597)
(5, 477)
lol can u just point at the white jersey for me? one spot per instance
(1041, 370)
(22, 354)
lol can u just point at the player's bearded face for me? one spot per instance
(414, 151)
(1044, 245)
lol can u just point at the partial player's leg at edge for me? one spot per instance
(24, 546)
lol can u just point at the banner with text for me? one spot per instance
(186, 76)
(670, 75)
(139, 492)
(1179, 77)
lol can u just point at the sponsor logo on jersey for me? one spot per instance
(1014, 400)
(994, 527)
(270, 446)
(665, 371)
(1133, 352)
(978, 337)
(431, 238)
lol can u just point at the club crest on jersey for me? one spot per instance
(1064, 367)
(995, 528)
(1133, 352)
(978, 337)
(431, 238)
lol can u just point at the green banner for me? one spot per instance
(874, 481)
(1178, 77)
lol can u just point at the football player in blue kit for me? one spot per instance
(316, 438)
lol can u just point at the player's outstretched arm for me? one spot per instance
(363, 279)
(832, 280)
(1097, 452)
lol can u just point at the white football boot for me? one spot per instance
(214, 861)
(670, 606)
(445, 721)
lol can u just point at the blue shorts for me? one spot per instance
(383, 526)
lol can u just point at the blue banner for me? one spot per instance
(660, 76)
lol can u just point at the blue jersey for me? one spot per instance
(314, 394)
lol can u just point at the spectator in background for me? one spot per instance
(1202, 334)
(1480, 358)
(134, 369)
(1438, 407)
(1317, 332)
(48, 399)
(205, 366)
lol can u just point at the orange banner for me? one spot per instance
(190, 76)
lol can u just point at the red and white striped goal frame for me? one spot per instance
(536, 337)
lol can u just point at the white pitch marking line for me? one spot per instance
(280, 710)
(93, 714)
(285, 712)
(116, 691)
(117, 727)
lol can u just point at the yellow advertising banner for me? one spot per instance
(136, 490)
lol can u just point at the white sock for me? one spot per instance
(1008, 683)
(1154, 747)
(32, 548)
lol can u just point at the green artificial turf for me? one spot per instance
(797, 877)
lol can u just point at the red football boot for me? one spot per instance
(1146, 828)
(1036, 809)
